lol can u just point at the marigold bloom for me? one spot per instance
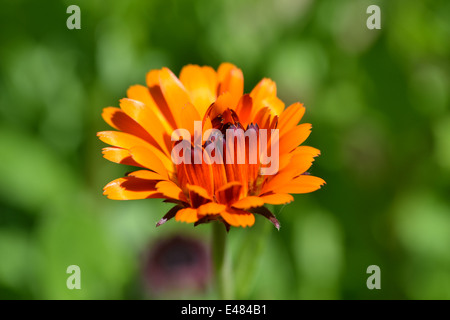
(231, 193)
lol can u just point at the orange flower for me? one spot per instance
(230, 190)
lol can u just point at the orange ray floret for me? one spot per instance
(231, 182)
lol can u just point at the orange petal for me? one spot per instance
(277, 198)
(198, 195)
(119, 155)
(121, 139)
(146, 174)
(201, 84)
(265, 88)
(119, 120)
(274, 123)
(274, 104)
(280, 180)
(285, 159)
(187, 215)
(178, 100)
(142, 94)
(211, 208)
(244, 110)
(157, 96)
(206, 125)
(248, 202)
(130, 188)
(238, 218)
(229, 193)
(108, 116)
(265, 95)
(219, 175)
(263, 118)
(198, 174)
(290, 117)
(231, 79)
(313, 152)
(199, 190)
(152, 78)
(148, 159)
(302, 184)
(149, 121)
(222, 103)
(301, 160)
(128, 141)
(171, 190)
(294, 137)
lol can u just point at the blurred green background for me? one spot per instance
(378, 101)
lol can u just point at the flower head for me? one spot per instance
(204, 145)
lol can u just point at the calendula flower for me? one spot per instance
(182, 133)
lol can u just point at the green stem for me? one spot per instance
(221, 261)
(254, 243)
